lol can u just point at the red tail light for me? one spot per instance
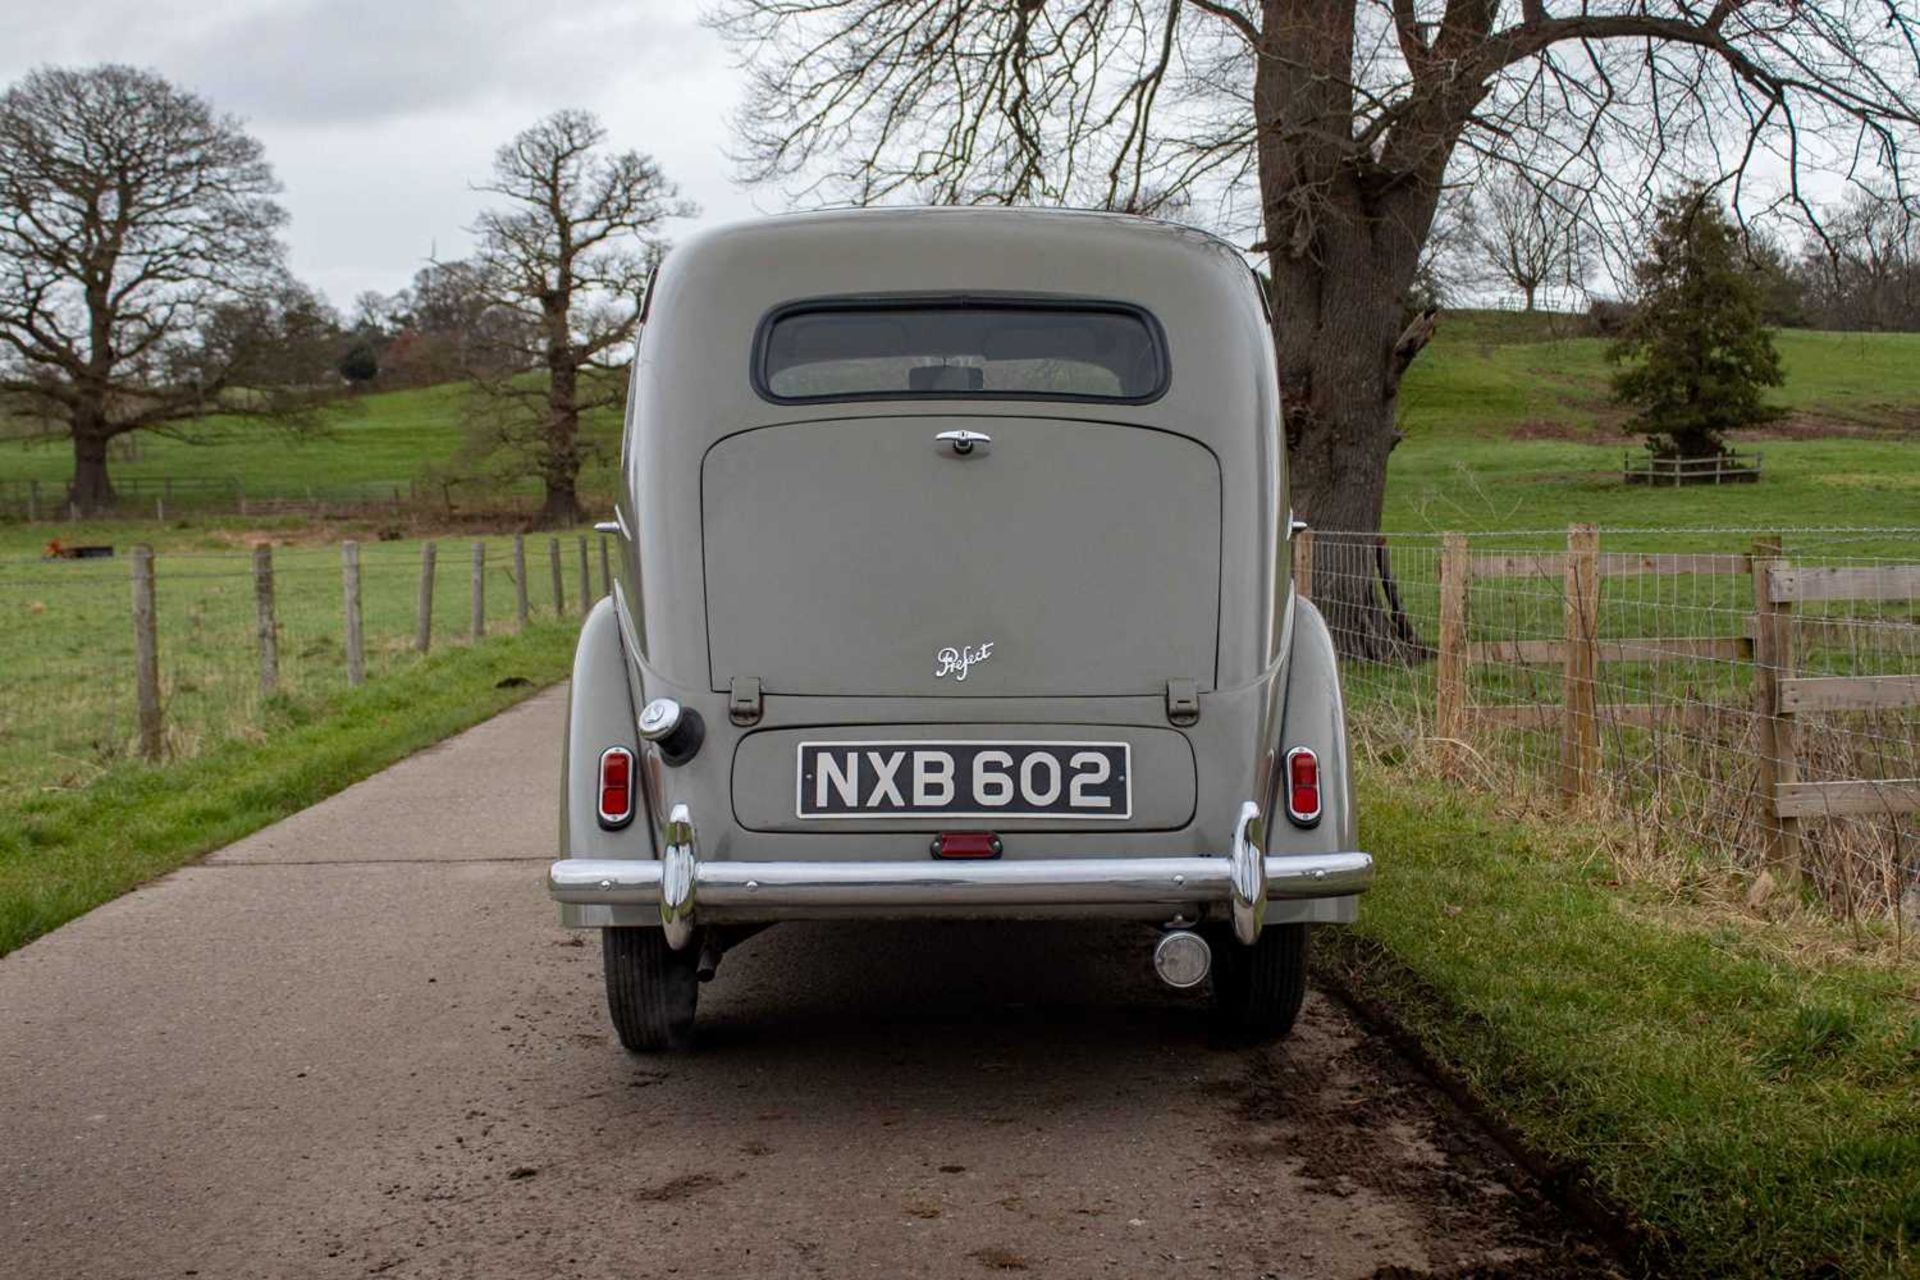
(616, 787)
(966, 844)
(1303, 786)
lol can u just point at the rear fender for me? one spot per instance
(599, 715)
(1315, 717)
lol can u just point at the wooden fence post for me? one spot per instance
(1450, 694)
(586, 579)
(146, 656)
(478, 626)
(269, 630)
(1579, 722)
(1773, 662)
(1303, 563)
(559, 579)
(606, 572)
(350, 592)
(522, 606)
(423, 608)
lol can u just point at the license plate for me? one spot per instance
(965, 780)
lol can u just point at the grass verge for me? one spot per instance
(1753, 1105)
(63, 853)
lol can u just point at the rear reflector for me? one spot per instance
(616, 787)
(966, 844)
(1303, 786)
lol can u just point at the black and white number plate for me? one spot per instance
(964, 780)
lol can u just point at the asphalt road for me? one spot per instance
(357, 1043)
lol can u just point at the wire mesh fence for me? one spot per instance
(160, 497)
(1719, 698)
(237, 635)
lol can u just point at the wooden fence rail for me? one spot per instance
(1767, 650)
(1722, 468)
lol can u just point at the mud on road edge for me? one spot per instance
(1354, 971)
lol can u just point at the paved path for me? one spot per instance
(357, 1043)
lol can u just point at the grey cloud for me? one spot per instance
(357, 61)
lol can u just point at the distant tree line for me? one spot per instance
(1865, 273)
(1542, 243)
(441, 328)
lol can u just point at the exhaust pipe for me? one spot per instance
(1182, 958)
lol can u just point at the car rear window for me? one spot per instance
(967, 349)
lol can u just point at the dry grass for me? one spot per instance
(1679, 803)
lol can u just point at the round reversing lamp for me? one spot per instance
(676, 730)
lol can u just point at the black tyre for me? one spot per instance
(651, 989)
(1257, 990)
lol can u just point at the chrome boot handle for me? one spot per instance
(964, 442)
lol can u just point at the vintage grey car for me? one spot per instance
(954, 580)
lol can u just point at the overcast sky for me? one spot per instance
(377, 114)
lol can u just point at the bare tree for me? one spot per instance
(1327, 129)
(1445, 271)
(1527, 235)
(566, 259)
(131, 218)
(1866, 273)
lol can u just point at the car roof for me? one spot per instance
(1075, 235)
(694, 365)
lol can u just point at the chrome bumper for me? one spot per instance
(680, 889)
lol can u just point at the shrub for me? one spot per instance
(1608, 317)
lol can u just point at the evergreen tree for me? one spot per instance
(1697, 354)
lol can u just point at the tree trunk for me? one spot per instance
(92, 490)
(1338, 321)
(1340, 431)
(560, 457)
(560, 468)
(1529, 291)
(1344, 245)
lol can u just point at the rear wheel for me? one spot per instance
(651, 988)
(1257, 990)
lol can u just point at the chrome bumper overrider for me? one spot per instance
(680, 886)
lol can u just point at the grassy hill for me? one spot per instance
(1506, 416)
(1493, 372)
(366, 446)
(1508, 425)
